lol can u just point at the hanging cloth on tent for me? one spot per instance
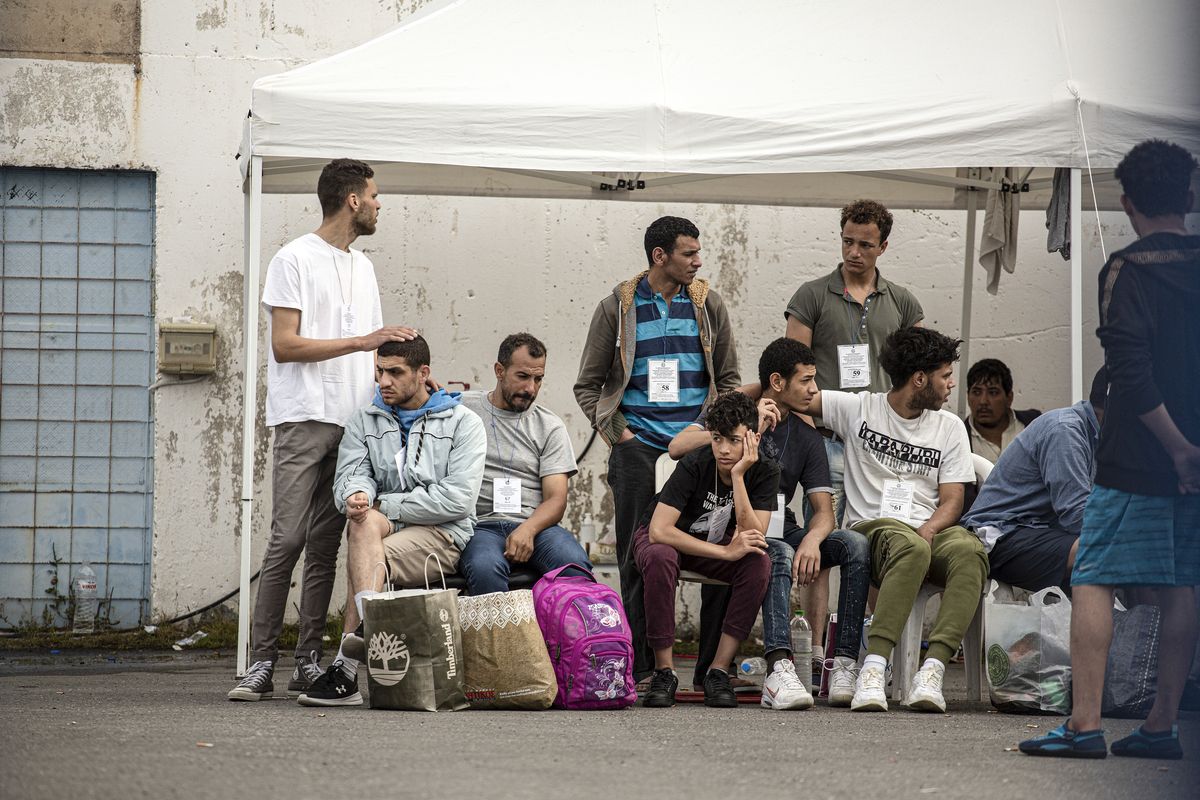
(998, 247)
(1058, 215)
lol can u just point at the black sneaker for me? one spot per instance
(718, 692)
(256, 685)
(308, 669)
(333, 688)
(661, 693)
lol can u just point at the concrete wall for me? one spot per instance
(465, 270)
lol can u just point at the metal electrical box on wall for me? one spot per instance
(186, 348)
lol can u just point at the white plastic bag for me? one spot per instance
(1028, 646)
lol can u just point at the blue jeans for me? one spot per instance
(842, 548)
(835, 453)
(487, 570)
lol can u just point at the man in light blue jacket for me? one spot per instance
(1030, 510)
(409, 472)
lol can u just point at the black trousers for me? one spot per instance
(631, 478)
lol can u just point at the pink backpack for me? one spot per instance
(584, 625)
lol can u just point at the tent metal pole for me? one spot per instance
(968, 286)
(253, 229)
(1076, 285)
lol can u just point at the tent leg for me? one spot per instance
(968, 286)
(1076, 286)
(253, 226)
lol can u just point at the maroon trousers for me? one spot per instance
(660, 565)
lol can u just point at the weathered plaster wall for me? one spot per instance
(76, 30)
(465, 270)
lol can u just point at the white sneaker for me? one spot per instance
(782, 690)
(870, 695)
(926, 691)
(842, 680)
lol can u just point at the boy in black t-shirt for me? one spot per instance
(711, 518)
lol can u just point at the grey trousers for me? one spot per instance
(303, 519)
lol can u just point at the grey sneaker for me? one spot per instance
(256, 685)
(308, 669)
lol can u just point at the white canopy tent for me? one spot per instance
(769, 102)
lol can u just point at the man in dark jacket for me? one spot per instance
(1142, 521)
(659, 349)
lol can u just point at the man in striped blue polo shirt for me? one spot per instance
(659, 348)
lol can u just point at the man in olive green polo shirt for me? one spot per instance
(845, 317)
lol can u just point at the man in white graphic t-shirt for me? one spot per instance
(907, 460)
(325, 322)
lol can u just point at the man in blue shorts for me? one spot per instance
(1142, 521)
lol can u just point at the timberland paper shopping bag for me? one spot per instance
(505, 661)
(414, 650)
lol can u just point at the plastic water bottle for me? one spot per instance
(753, 666)
(85, 600)
(587, 530)
(802, 647)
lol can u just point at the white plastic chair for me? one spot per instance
(908, 649)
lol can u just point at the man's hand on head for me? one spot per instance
(749, 454)
(769, 415)
(388, 333)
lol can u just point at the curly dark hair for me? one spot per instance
(988, 371)
(912, 350)
(341, 178)
(783, 355)
(514, 342)
(864, 212)
(664, 231)
(1155, 176)
(730, 410)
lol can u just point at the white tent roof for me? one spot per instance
(706, 100)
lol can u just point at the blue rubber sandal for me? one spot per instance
(1062, 742)
(1140, 744)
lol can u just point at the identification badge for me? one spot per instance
(897, 500)
(506, 494)
(349, 322)
(718, 522)
(775, 526)
(401, 454)
(854, 366)
(663, 380)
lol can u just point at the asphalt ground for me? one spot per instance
(158, 725)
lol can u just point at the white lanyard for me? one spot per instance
(506, 490)
(342, 292)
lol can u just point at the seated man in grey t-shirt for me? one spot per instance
(529, 462)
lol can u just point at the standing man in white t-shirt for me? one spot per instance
(907, 460)
(325, 322)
